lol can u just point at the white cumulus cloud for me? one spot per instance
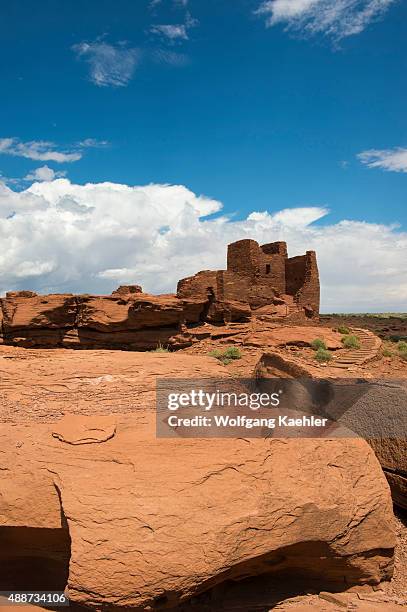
(110, 65)
(336, 18)
(44, 173)
(58, 236)
(394, 160)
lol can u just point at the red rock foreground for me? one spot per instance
(258, 282)
(97, 502)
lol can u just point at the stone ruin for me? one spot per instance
(259, 282)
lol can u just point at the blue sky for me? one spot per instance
(261, 106)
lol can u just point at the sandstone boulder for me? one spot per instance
(154, 522)
(95, 501)
(228, 311)
(127, 289)
(392, 454)
(22, 312)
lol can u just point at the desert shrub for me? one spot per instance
(226, 356)
(402, 349)
(351, 342)
(342, 329)
(387, 352)
(232, 352)
(160, 349)
(318, 343)
(322, 355)
(396, 338)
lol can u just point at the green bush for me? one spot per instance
(232, 352)
(402, 349)
(227, 356)
(397, 338)
(342, 329)
(387, 352)
(351, 342)
(318, 343)
(226, 361)
(322, 355)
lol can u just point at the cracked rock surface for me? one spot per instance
(129, 520)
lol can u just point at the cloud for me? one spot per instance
(394, 160)
(154, 3)
(175, 32)
(92, 143)
(58, 236)
(43, 150)
(172, 32)
(44, 173)
(39, 150)
(335, 18)
(172, 58)
(110, 65)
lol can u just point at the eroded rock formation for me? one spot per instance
(259, 281)
(153, 522)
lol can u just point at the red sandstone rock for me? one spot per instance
(14, 294)
(41, 385)
(143, 536)
(133, 312)
(392, 454)
(334, 602)
(152, 522)
(294, 335)
(78, 429)
(38, 311)
(127, 289)
(228, 311)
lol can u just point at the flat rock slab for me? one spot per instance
(335, 602)
(42, 385)
(78, 429)
(294, 335)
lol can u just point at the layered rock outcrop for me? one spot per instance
(259, 281)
